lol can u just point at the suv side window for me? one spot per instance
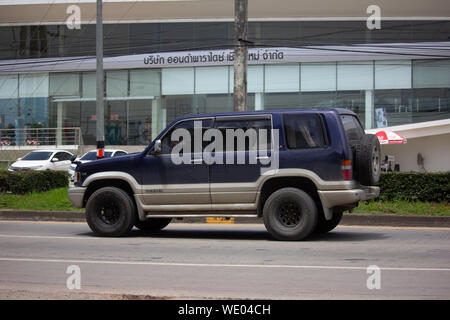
(167, 144)
(304, 131)
(352, 127)
(255, 124)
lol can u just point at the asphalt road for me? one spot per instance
(223, 261)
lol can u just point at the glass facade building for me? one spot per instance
(42, 41)
(140, 102)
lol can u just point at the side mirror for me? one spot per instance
(55, 160)
(157, 146)
(72, 158)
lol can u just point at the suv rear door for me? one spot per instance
(308, 146)
(236, 182)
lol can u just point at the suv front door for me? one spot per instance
(168, 183)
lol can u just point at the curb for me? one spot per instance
(30, 215)
(350, 219)
(392, 220)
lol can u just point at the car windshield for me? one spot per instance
(38, 155)
(92, 155)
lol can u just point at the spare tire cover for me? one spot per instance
(367, 160)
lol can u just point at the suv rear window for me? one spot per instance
(352, 127)
(304, 131)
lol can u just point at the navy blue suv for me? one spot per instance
(297, 169)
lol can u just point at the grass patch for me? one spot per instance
(402, 207)
(4, 165)
(56, 200)
(52, 200)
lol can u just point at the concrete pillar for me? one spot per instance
(155, 118)
(59, 122)
(370, 105)
(259, 101)
(163, 118)
(158, 117)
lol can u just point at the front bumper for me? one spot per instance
(334, 198)
(76, 196)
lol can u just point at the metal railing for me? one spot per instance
(29, 138)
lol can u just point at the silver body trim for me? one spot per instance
(76, 196)
(226, 215)
(135, 186)
(342, 197)
(222, 199)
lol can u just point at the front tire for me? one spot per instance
(153, 224)
(290, 214)
(110, 212)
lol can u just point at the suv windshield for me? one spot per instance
(93, 155)
(36, 156)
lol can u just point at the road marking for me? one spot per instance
(51, 237)
(43, 222)
(176, 264)
(235, 224)
(392, 227)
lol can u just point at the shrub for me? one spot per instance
(412, 186)
(32, 181)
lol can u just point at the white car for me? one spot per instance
(43, 160)
(92, 155)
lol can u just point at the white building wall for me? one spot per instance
(435, 151)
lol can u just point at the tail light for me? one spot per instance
(346, 169)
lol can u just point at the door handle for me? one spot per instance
(197, 161)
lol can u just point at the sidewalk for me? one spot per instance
(348, 219)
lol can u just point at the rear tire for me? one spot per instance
(153, 224)
(367, 162)
(110, 212)
(290, 214)
(324, 226)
